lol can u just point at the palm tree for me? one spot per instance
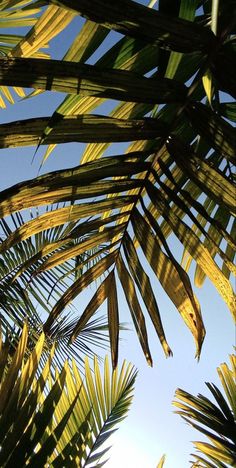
(171, 75)
(215, 420)
(167, 71)
(52, 417)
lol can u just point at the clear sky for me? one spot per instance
(151, 429)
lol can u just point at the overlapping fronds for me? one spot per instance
(29, 298)
(215, 420)
(57, 418)
(176, 113)
(13, 16)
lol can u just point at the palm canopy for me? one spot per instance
(168, 70)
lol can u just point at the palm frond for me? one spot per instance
(138, 21)
(12, 16)
(58, 417)
(215, 420)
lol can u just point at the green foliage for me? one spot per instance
(51, 417)
(215, 420)
(167, 75)
(169, 80)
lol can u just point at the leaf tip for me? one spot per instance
(168, 352)
(149, 360)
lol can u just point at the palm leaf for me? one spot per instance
(161, 462)
(215, 420)
(50, 417)
(50, 24)
(87, 80)
(13, 16)
(173, 279)
(79, 128)
(136, 20)
(144, 285)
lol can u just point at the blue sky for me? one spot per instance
(151, 428)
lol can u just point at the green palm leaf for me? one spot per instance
(136, 20)
(215, 420)
(79, 128)
(58, 418)
(87, 80)
(13, 16)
